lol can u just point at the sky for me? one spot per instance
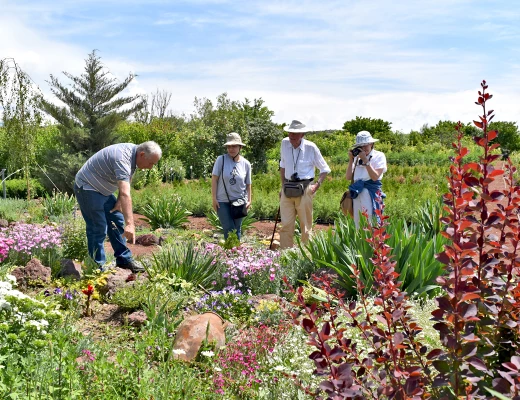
(322, 62)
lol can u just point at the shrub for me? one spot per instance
(186, 262)
(17, 188)
(164, 212)
(11, 209)
(74, 239)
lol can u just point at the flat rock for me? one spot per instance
(149, 240)
(137, 319)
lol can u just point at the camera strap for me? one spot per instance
(295, 163)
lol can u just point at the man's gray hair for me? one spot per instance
(149, 148)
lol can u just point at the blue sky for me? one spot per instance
(323, 62)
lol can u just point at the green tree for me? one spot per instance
(87, 121)
(379, 128)
(21, 117)
(508, 135)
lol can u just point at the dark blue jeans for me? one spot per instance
(229, 224)
(95, 209)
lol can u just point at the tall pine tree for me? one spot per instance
(87, 121)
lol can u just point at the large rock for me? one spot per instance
(149, 240)
(120, 278)
(192, 331)
(4, 223)
(71, 269)
(34, 273)
(137, 319)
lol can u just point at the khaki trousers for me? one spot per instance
(289, 208)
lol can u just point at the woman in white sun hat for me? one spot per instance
(231, 181)
(367, 166)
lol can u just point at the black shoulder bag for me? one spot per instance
(238, 206)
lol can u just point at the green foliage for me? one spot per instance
(231, 241)
(19, 98)
(146, 177)
(172, 169)
(88, 119)
(247, 222)
(508, 134)
(377, 127)
(11, 209)
(58, 205)
(17, 188)
(164, 212)
(74, 239)
(413, 250)
(183, 261)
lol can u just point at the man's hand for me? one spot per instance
(129, 233)
(315, 187)
(117, 207)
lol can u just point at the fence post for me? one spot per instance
(3, 180)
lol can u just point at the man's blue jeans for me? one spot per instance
(229, 224)
(95, 209)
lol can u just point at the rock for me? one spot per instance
(275, 245)
(119, 278)
(137, 319)
(192, 331)
(33, 273)
(149, 240)
(4, 223)
(71, 269)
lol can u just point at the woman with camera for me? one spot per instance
(366, 167)
(231, 186)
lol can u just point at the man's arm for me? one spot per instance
(124, 204)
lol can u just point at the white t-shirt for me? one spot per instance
(377, 160)
(303, 159)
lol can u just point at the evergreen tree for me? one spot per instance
(88, 119)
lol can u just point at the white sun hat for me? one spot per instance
(296, 127)
(363, 138)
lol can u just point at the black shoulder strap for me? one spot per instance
(223, 181)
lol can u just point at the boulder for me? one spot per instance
(33, 273)
(4, 223)
(192, 331)
(70, 268)
(149, 240)
(119, 278)
(137, 319)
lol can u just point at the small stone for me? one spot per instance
(70, 268)
(137, 319)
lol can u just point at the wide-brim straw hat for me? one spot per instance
(363, 138)
(233, 139)
(296, 127)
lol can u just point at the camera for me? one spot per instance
(356, 151)
(295, 177)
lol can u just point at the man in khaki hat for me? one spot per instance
(299, 158)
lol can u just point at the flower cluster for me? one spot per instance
(247, 266)
(66, 298)
(24, 321)
(228, 303)
(238, 366)
(28, 239)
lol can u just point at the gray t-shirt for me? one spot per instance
(236, 175)
(109, 165)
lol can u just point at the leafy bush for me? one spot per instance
(17, 188)
(164, 212)
(184, 261)
(172, 170)
(247, 222)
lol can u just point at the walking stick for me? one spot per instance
(274, 230)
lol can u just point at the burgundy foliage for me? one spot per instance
(478, 315)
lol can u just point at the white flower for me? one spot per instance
(178, 351)
(208, 353)
(217, 369)
(279, 368)
(11, 278)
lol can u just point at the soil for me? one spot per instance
(262, 230)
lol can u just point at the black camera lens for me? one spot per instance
(356, 151)
(294, 177)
